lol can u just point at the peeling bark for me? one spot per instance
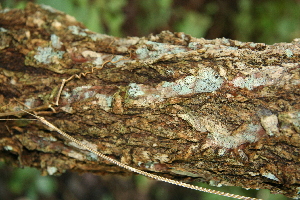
(218, 111)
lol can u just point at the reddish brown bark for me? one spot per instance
(218, 111)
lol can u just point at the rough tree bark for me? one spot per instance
(218, 111)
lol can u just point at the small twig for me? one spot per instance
(64, 81)
(20, 113)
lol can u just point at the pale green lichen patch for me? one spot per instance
(119, 60)
(92, 157)
(98, 36)
(222, 138)
(142, 53)
(253, 45)
(3, 29)
(229, 142)
(134, 90)
(215, 183)
(78, 31)
(193, 45)
(271, 176)
(78, 92)
(104, 101)
(47, 55)
(156, 50)
(289, 53)
(251, 78)
(249, 82)
(96, 57)
(222, 151)
(207, 80)
(225, 41)
(30, 103)
(8, 148)
(51, 138)
(98, 61)
(148, 165)
(55, 41)
(85, 92)
(182, 86)
(51, 170)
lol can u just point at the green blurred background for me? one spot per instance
(267, 21)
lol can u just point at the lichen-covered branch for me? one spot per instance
(218, 111)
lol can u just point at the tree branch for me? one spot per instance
(218, 111)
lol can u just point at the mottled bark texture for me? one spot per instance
(218, 111)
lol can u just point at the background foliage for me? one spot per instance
(267, 21)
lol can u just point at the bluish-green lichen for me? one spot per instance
(225, 41)
(253, 45)
(215, 183)
(98, 61)
(55, 41)
(104, 101)
(81, 90)
(97, 36)
(3, 29)
(208, 45)
(249, 82)
(167, 84)
(30, 102)
(162, 48)
(185, 86)
(92, 157)
(156, 50)
(51, 170)
(46, 54)
(193, 45)
(117, 58)
(134, 90)
(142, 53)
(78, 31)
(289, 53)
(208, 81)
(8, 148)
(232, 48)
(233, 141)
(271, 176)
